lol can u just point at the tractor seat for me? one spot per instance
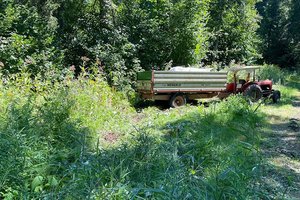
(242, 81)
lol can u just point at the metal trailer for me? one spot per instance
(178, 87)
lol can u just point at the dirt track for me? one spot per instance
(281, 150)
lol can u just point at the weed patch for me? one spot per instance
(81, 139)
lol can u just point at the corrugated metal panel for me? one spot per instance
(161, 90)
(189, 80)
(189, 72)
(179, 81)
(184, 76)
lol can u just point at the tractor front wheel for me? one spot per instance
(276, 96)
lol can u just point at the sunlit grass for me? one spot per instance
(279, 112)
(285, 109)
(81, 139)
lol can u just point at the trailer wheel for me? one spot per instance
(177, 100)
(254, 93)
(276, 96)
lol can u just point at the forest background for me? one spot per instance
(121, 38)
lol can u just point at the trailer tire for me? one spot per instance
(177, 100)
(254, 93)
(276, 96)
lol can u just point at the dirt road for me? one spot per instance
(281, 152)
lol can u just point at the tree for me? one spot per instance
(26, 40)
(165, 31)
(232, 26)
(279, 30)
(273, 31)
(294, 30)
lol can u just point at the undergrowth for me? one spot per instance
(79, 139)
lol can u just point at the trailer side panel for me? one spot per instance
(170, 81)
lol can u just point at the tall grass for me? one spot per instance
(48, 126)
(55, 142)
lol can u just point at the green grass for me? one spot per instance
(288, 93)
(283, 110)
(55, 141)
(280, 177)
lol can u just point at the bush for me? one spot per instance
(272, 72)
(27, 41)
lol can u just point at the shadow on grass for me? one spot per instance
(281, 150)
(280, 139)
(161, 105)
(275, 117)
(280, 182)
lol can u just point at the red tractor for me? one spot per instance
(246, 81)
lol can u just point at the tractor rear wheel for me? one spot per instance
(254, 93)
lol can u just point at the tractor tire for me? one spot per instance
(276, 96)
(177, 100)
(254, 93)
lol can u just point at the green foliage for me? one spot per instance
(279, 76)
(121, 38)
(67, 138)
(81, 139)
(280, 32)
(287, 94)
(273, 73)
(284, 81)
(44, 129)
(294, 28)
(26, 41)
(165, 31)
(232, 26)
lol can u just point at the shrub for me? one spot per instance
(26, 41)
(272, 72)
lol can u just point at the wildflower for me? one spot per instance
(72, 68)
(85, 59)
(28, 60)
